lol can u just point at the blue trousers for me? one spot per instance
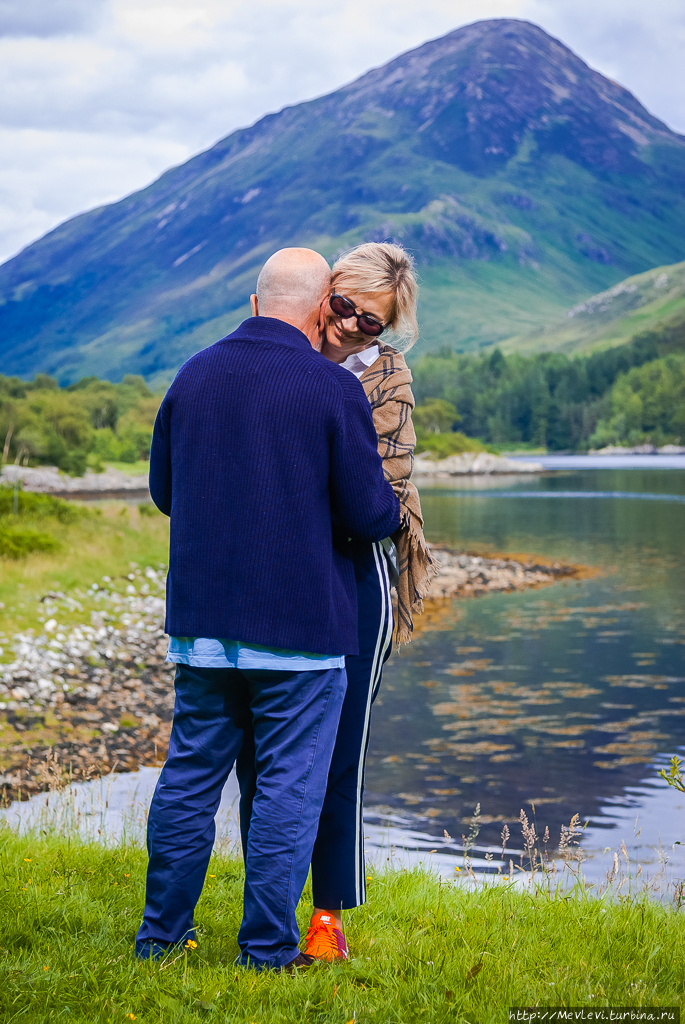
(291, 719)
(338, 869)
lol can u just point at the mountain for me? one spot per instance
(522, 180)
(654, 301)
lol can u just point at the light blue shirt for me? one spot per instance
(211, 652)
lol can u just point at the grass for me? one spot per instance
(86, 543)
(17, 508)
(140, 468)
(611, 320)
(441, 446)
(422, 950)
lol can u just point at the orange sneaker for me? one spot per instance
(325, 941)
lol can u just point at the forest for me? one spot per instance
(631, 394)
(86, 424)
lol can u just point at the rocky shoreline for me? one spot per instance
(641, 449)
(84, 699)
(49, 480)
(113, 483)
(99, 693)
(464, 575)
(471, 464)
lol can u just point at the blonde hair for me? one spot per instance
(383, 267)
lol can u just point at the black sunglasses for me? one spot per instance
(366, 323)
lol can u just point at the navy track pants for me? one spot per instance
(338, 869)
(292, 719)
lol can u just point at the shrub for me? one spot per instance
(39, 506)
(436, 416)
(17, 541)
(444, 445)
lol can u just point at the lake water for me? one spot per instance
(557, 701)
(568, 698)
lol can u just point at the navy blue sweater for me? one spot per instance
(264, 455)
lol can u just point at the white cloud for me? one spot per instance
(49, 175)
(47, 17)
(97, 97)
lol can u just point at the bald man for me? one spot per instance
(265, 457)
(292, 286)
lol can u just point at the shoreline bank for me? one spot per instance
(463, 574)
(91, 698)
(113, 483)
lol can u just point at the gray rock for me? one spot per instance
(640, 449)
(472, 463)
(49, 480)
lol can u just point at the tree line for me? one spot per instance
(84, 424)
(630, 394)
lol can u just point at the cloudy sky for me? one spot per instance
(97, 97)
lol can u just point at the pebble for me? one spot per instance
(109, 676)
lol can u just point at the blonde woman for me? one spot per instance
(373, 290)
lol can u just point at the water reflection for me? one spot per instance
(559, 701)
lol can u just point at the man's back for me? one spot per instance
(260, 446)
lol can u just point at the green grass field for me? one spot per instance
(139, 468)
(105, 540)
(421, 950)
(643, 302)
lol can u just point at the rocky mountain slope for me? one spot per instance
(653, 301)
(522, 180)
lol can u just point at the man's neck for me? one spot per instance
(310, 332)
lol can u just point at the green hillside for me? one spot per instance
(522, 181)
(644, 302)
(629, 394)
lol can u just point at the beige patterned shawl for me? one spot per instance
(387, 383)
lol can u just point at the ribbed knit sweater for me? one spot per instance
(265, 456)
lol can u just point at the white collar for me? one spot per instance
(359, 361)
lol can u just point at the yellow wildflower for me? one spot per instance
(28, 859)
(190, 944)
(130, 1016)
(456, 868)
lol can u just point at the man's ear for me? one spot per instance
(254, 306)
(320, 325)
(322, 314)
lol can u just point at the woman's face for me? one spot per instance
(341, 338)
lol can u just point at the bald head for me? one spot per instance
(291, 286)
